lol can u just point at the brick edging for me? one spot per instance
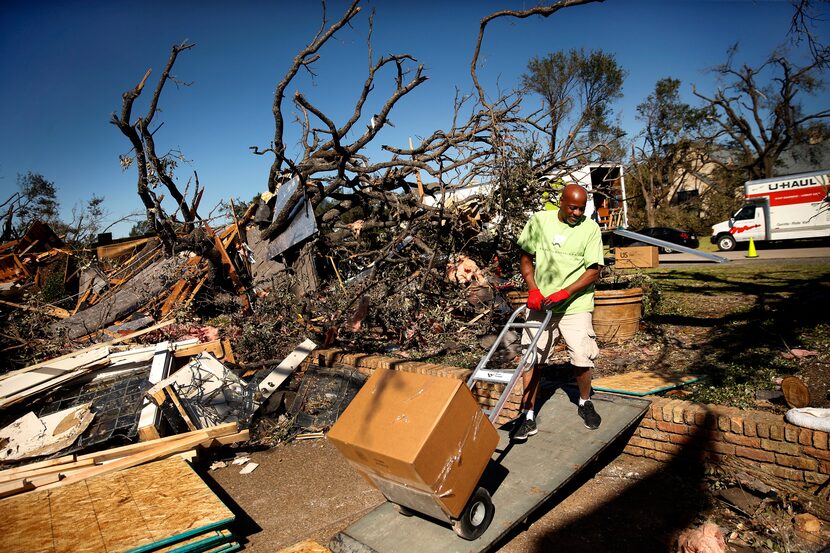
(669, 428)
(485, 393)
(712, 433)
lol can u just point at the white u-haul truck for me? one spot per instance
(779, 208)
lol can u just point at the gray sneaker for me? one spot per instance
(527, 428)
(589, 415)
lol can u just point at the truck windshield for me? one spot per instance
(746, 212)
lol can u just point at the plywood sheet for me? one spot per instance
(120, 521)
(173, 499)
(143, 508)
(641, 383)
(26, 525)
(80, 532)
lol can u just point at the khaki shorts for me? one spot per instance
(576, 329)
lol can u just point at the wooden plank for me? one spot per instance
(170, 391)
(271, 382)
(40, 464)
(640, 383)
(27, 473)
(142, 457)
(52, 383)
(16, 383)
(206, 436)
(242, 436)
(231, 271)
(178, 289)
(195, 290)
(50, 362)
(150, 416)
(185, 286)
(140, 351)
(15, 487)
(81, 300)
(227, 351)
(215, 347)
(116, 250)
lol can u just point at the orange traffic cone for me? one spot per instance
(752, 252)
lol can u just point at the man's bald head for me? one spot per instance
(572, 204)
(575, 193)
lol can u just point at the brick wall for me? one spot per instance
(487, 394)
(672, 427)
(714, 433)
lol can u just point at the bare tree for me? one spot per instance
(151, 168)
(758, 110)
(802, 26)
(397, 201)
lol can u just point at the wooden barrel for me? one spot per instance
(617, 314)
(516, 298)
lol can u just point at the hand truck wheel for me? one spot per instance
(476, 516)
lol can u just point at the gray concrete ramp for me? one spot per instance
(520, 478)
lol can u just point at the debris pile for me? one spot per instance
(97, 437)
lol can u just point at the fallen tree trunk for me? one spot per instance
(139, 291)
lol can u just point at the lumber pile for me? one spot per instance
(186, 398)
(159, 506)
(130, 285)
(29, 262)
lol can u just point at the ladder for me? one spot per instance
(508, 377)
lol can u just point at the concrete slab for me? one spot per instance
(520, 478)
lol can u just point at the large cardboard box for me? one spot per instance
(421, 439)
(637, 257)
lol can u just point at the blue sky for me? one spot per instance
(65, 65)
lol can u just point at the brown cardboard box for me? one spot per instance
(637, 257)
(421, 439)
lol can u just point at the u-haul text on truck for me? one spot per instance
(779, 208)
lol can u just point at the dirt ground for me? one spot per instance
(305, 490)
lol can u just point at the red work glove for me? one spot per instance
(535, 299)
(556, 297)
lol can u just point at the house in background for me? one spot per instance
(801, 158)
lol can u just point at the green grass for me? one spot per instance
(752, 315)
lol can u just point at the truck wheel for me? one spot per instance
(726, 243)
(476, 517)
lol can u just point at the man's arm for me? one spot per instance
(528, 271)
(590, 276)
